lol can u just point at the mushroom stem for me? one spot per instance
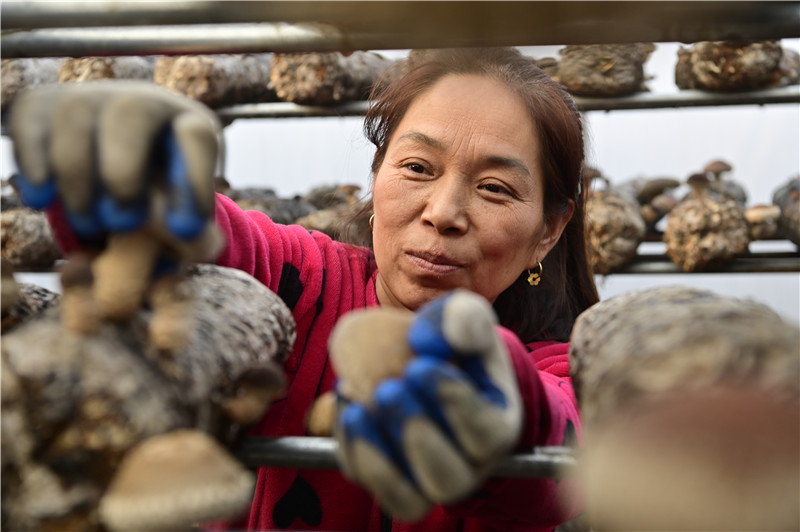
(698, 183)
(79, 310)
(122, 273)
(172, 320)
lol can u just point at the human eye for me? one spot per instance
(417, 168)
(497, 189)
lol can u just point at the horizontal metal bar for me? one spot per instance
(690, 98)
(290, 110)
(172, 40)
(638, 101)
(778, 263)
(320, 453)
(384, 25)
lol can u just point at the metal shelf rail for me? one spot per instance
(775, 262)
(42, 29)
(645, 100)
(320, 453)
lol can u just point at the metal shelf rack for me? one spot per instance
(104, 28)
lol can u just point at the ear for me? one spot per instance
(553, 230)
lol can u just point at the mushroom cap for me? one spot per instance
(698, 180)
(174, 480)
(654, 187)
(590, 172)
(762, 213)
(717, 167)
(367, 347)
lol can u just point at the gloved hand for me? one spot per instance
(433, 435)
(120, 155)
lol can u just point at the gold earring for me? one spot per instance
(535, 277)
(371, 218)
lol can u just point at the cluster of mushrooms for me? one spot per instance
(705, 229)
(122, 394)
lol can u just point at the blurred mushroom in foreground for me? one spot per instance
(74, 405)
(382, 331)
(703, 233)
(174, 481)
(691, 415)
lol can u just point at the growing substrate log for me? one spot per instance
(787, 197)
(731, 66)
(704, 231)
(25, 72)
(82, 69)
(604, 69)
(326, 78)
(614, 227)
(26, 239)
(218, 80)
(74, 405)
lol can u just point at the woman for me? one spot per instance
(476, 186)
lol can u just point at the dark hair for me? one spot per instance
(548, 310)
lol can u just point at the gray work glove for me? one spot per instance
(120, 156)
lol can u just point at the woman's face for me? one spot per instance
(459, 197)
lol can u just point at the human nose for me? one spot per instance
(446, 206)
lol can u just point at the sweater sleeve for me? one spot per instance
(551, 419)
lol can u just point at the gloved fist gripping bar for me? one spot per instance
(439, 416)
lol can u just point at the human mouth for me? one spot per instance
(434, 262)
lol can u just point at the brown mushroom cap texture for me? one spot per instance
(716, 167)
(698, 180)
(173, 481)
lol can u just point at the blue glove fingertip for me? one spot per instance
(425, 336)
(33, 195)
(476, 370)
(357, 422)
(86, 225)
(119, 218)
(397, 403)
(424, 376)
(183, 218)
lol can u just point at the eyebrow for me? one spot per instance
(509, 162)
(491, 160)
(421, 138)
